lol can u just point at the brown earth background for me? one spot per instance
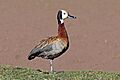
(94, 35)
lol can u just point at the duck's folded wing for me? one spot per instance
(37, 49)
(47, 48)
(45, 45)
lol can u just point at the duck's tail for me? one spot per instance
(34, 53)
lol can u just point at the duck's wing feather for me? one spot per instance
(45, 45)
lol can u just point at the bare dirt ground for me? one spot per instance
(94, 35)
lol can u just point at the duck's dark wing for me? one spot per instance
(37, 50)
(47, 48)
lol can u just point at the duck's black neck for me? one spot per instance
(59, 22)
(59, 17)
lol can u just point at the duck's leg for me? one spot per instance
(51, 66)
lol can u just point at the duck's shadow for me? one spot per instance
(47, 72)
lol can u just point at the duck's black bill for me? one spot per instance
(70, 16)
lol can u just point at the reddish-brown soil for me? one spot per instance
(94, 35)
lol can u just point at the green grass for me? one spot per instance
(15, 73)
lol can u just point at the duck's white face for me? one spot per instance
(64, 14)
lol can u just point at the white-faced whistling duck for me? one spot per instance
(52, 47)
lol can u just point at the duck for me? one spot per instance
(54, 46)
